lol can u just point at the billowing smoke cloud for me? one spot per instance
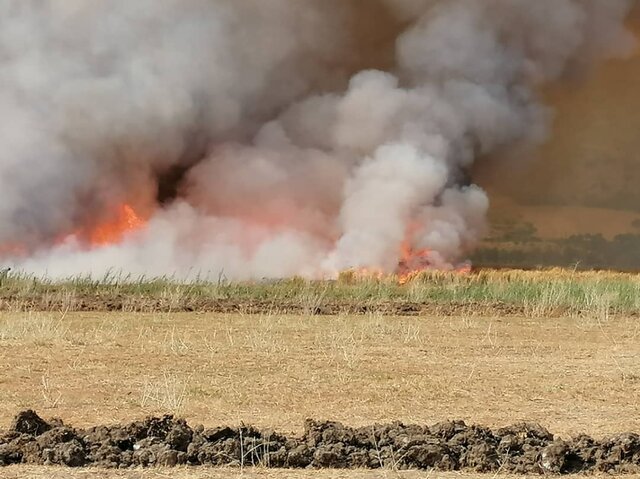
(270, 138)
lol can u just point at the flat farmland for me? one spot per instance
(572, 375)
(491, 371)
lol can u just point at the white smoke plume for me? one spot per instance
(270, 138)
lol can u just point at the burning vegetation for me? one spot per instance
(125, 221)
(278, 140)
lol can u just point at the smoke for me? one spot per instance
(271, 139)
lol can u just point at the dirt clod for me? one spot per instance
(168, 442)
(554, 456)
(28, 422)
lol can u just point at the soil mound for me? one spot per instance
(167, 441)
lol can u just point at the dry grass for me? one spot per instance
(526, 293)
(573, 375)
(53, 473)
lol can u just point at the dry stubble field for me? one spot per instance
(492, 348)
(573, 374)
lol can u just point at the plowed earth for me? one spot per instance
(167, 442)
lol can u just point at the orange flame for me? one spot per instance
(411, 264)
(412, 261)
(113, 231)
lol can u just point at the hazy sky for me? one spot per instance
(593, 157)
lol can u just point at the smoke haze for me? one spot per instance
(271, 139)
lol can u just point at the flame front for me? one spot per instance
(411, 264)
(113, 231)
(108, 232)
(123, 221)
(413, 261)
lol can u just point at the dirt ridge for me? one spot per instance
(275, 306)
(449, 446)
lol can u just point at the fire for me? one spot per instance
(12, 249)
(412, 263)
(114, 230)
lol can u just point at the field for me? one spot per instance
(490, 348)
(556, 292)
